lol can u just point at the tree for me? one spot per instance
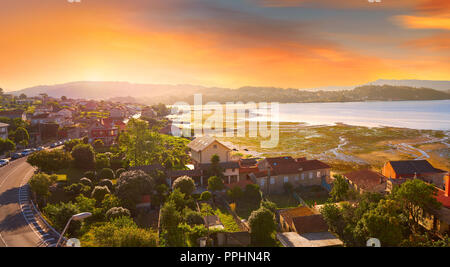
(252, 193)
(21, 136)
(59, 214)
(262, 225)
(215, 183)
(6, 145)
(86, 181)
(235, 193)
(416, 197)
(40, 184)
(173, 236)
(215, 169)
(50, 160)
(84, 156)
(185, 184)
(269, 205)
(69, 145)
(77, 189)
(22, 96)
(132, 185)
(340, 188)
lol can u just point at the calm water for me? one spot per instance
(433, 115)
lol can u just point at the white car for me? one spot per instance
(4, 162)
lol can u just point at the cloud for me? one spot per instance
(420, 22)
(438, 43)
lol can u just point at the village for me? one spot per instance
(120, 163)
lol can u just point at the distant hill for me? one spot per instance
(437, 85)
(362, 93)
(105, 90)
(154, 93)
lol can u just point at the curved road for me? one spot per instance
(15, 230)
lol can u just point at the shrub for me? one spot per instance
(205, 196)
(185, 184)
(98, 143)
(117, 212)
(90, 175)
(102, 161)
(99, 193)
(76, 189)
(106, 173)
(86, 181)
(193, 217)
(215, 183)
(119, 172)
(107, 183)
(60, 213)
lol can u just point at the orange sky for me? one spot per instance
(231, 43)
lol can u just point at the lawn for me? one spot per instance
(283, 201)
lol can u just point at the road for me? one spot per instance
(15, 229)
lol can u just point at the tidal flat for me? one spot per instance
(347, 147)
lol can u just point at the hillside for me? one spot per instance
(169, 94)
(362, 93)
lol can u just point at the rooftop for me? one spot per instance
(366, 179)
(321, 239)
(413, 166)
(200, 143)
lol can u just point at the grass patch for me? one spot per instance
(227, 220)
(72, 174)
(244, 208)
(283, 201)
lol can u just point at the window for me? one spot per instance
(303, 176)
(262, 182)
(286, 179)
(272, 180)
(310, 175)
(214, 146)
(296, 177)
(318, 174)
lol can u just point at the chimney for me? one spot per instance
(447, 184)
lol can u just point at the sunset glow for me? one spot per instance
(233, 43)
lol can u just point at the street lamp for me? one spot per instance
(76, 217)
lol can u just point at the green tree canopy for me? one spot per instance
(262, 224)
(84, 156)
(50, 160)
(185, 183)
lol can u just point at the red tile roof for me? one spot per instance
(288, 165)
(365, 179)
(441, 197)
(310, 224)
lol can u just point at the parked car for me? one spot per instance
(53, 145)
(26, 152)
(4, 162)
(40, 148)
(16, 156)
